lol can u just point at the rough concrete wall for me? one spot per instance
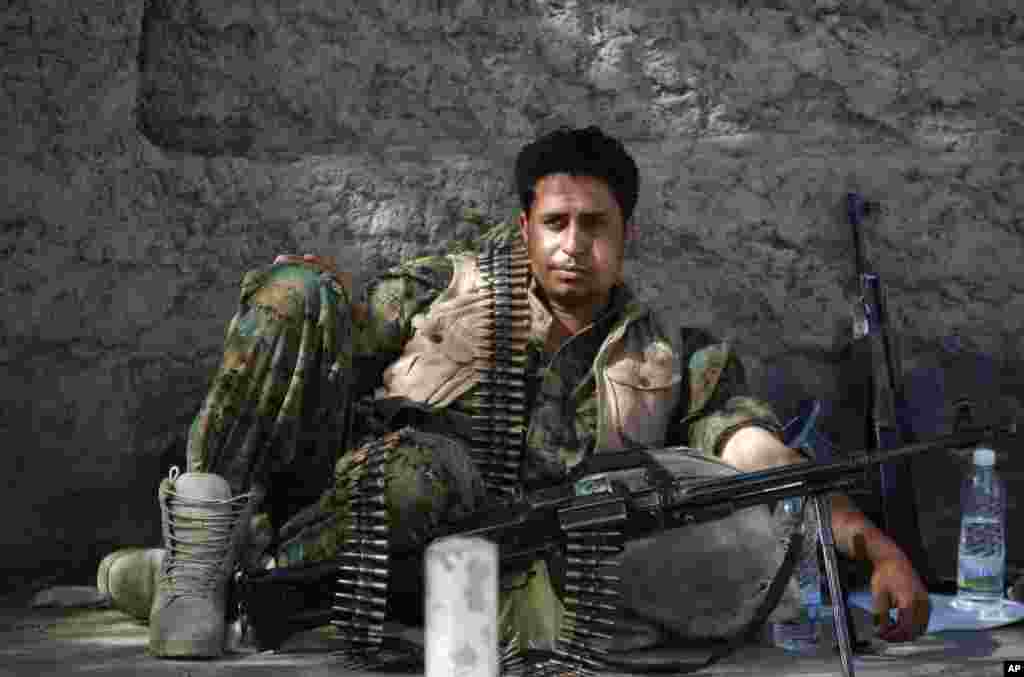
(154, 151)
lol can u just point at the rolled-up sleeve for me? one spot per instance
(717, 401)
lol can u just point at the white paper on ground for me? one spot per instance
(945, 616)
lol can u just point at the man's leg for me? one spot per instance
(282, 385)
(431, 481)
(277, 400)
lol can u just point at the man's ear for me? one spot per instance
(523, 225)
(631, 231)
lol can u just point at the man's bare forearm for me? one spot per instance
(855, 535)
(751, 449)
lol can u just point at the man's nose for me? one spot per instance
(574, 239)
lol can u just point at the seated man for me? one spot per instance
(601, 375)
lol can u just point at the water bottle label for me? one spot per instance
(979, 569)
(981, 574)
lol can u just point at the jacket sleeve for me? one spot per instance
(715, 401)
(383, 316)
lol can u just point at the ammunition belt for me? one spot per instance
(591, 598)
(500, 401)
(591, 602)
(499, 436)
(359, 607)
(360, 598)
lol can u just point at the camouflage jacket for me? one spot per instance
(623, 382)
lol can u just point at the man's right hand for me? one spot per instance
(325, 262)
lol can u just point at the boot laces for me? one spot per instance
(197, 565)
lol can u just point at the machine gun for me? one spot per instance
(628, 497)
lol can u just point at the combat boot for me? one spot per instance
(203, 528)
(128, 578)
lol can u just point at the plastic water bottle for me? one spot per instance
(981, 571)
(800, 636)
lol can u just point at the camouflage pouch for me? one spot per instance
(706, 581)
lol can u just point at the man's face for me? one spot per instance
(575, 237)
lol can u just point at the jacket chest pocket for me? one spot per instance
(642, 394)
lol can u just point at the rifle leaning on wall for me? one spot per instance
(628, 499)
(887, 422)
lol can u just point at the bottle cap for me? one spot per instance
(983, 456)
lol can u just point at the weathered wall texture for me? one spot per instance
(153, 151)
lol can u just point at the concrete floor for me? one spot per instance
(49, 641)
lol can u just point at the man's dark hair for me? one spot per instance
(578, 152)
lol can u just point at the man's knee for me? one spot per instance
(295, 292)
(431, 480)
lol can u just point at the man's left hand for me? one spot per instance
(895, 585)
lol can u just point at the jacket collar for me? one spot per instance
(622, 301)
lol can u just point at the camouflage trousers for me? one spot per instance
(272, 421)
